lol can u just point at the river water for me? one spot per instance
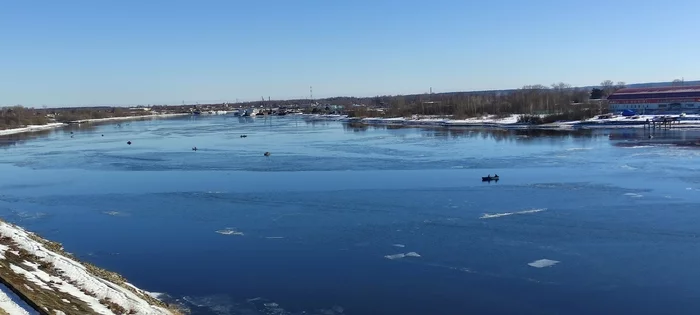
(344, 219)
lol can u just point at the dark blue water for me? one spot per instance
(618, 211)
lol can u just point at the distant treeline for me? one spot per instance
(560, 100)
(18, 116)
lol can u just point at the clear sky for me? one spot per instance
(129, 52)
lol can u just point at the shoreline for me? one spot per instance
(52, 281)
(511, 122)
(34, 128)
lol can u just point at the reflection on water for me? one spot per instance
(619, 137)
(484, 133)
(14, 139)
(645, 137)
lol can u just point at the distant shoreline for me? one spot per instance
(34, 128)
(509, 122)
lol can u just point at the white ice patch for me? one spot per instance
(638, 147)
(498, 215)
(543, 263)
(399, 245)
(578, 149)
(155, 295)
(115, 213)
(274, 237)
(399, 256)
(627, 167)
(229, 231)
(634, 195)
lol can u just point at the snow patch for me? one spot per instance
(9, 306)
(30, 128)
(634, 195)
(78, 278)
(399, 245)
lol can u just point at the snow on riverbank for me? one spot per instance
(59, 283)
(31, 128)
(511, 121)
(132, 117)
(9, 306)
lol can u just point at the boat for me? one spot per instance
(489, 178)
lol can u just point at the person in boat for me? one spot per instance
(495, 175)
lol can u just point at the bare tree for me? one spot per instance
(620, 85)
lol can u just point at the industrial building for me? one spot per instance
(657, 100)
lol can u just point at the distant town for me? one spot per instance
(560, 101)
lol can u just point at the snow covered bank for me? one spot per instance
(132, 117)
(511, 121)
(58, 283)
(33, 128)
(30, 129)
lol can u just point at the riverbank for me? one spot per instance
(129, 118)
(53, 282)
(30, 129)
(511, 121)
(35, 128)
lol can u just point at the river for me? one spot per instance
(344, 219)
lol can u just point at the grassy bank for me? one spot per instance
(53, 281)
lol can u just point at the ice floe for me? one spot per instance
(402, 255)
(543, 263)
(498, 215)
(229, 231)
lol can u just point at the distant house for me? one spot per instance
(656, 100)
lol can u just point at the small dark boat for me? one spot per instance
(489, 178)
(244, 136)
(194, 149)
(128, 142)
(267, 154)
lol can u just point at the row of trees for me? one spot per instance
(556, 99)
(18, 116)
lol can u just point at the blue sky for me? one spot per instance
(156, 51)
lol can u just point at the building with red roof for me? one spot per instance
(656, 100)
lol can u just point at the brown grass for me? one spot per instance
(53, 299)
(45, 299)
